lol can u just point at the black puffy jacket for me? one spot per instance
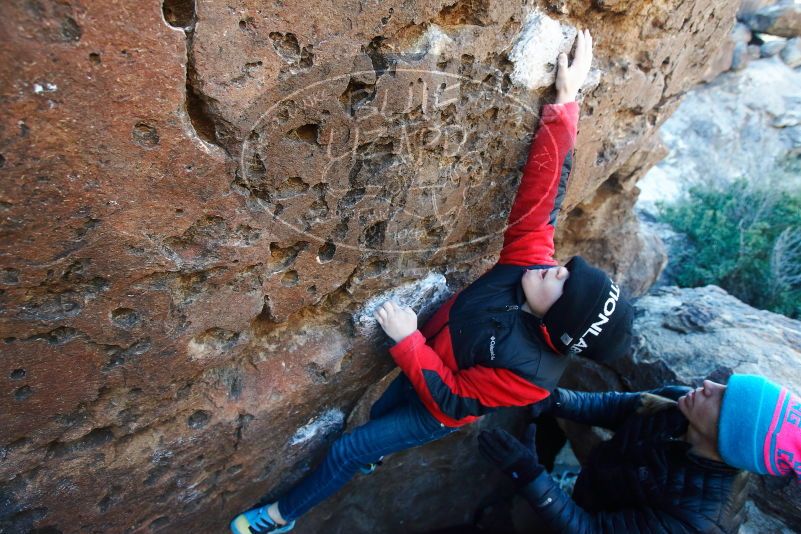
(644, 479)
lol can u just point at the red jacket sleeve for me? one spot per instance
(528, 239)
(473, 391)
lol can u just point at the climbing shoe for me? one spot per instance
(258, 521)
(369, 468)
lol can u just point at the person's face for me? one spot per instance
(543, 287)
(701, 407)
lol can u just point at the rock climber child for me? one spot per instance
(502, 341)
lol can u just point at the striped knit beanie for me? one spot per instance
(759, 429)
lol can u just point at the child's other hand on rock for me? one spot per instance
(570, 79)
(397, 321)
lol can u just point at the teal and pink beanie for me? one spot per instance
(760, 427)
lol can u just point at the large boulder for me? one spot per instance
(199, 198)
(783, 19)
(749, 6)
(686, 335)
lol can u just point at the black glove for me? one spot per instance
(510, 455)
(545, 406)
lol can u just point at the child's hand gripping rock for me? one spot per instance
(397, 321)
(570, 79)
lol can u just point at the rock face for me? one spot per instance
(749, 6)
(199, 197)
(687, 335)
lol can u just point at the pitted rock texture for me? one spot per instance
(197, 199)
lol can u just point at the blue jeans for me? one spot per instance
(398, 421)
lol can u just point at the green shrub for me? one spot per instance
(744, 239)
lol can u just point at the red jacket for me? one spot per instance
(501, 357)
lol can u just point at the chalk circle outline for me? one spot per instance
(265, 206)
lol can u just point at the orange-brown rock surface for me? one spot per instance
(197, 200)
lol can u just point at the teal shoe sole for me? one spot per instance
(241, 525)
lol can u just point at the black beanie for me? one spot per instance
(590, 319)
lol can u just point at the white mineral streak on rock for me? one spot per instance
(536, 49)
(329, 421)
(423, 296)
(433, 41)
(47, 87)
(197, 351)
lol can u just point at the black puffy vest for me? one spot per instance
(489, 327)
